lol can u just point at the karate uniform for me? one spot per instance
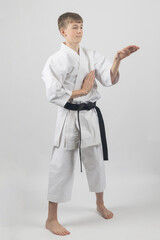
(64, 72)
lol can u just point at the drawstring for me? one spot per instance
(80, 141)
(79, 108)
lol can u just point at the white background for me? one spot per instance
(29, 35)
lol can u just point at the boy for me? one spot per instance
(69, 77)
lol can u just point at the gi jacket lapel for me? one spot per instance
(83, 70)
(71, 52)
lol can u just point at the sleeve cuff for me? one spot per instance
(64, 99)
(109, 82)
(67, 96)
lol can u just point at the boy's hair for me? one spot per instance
(68, 17)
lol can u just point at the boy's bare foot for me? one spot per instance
(104, 212)
(55, 227)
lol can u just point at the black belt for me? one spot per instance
(88, 106)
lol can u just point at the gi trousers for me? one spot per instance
(62, 168)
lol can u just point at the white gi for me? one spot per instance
(64, 71)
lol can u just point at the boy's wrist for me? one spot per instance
(83, 92)
(117, 58)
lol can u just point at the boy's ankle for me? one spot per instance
(100, 204)
(52, 220)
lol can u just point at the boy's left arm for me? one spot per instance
(125, 52)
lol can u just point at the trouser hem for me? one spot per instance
(57, 199)
(97, 190)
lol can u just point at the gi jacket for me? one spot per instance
(64, 71)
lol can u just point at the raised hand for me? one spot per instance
(125, 52)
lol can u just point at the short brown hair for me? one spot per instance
(68, 17)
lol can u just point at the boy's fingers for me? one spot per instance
(92, 76)
(91, 73)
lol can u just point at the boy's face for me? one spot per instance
(73, 33)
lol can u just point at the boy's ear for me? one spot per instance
(62, 32)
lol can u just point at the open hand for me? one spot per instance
(88, 82)
(125, 52)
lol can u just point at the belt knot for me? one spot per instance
(86, 106)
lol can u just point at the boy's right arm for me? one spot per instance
(53, 77)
